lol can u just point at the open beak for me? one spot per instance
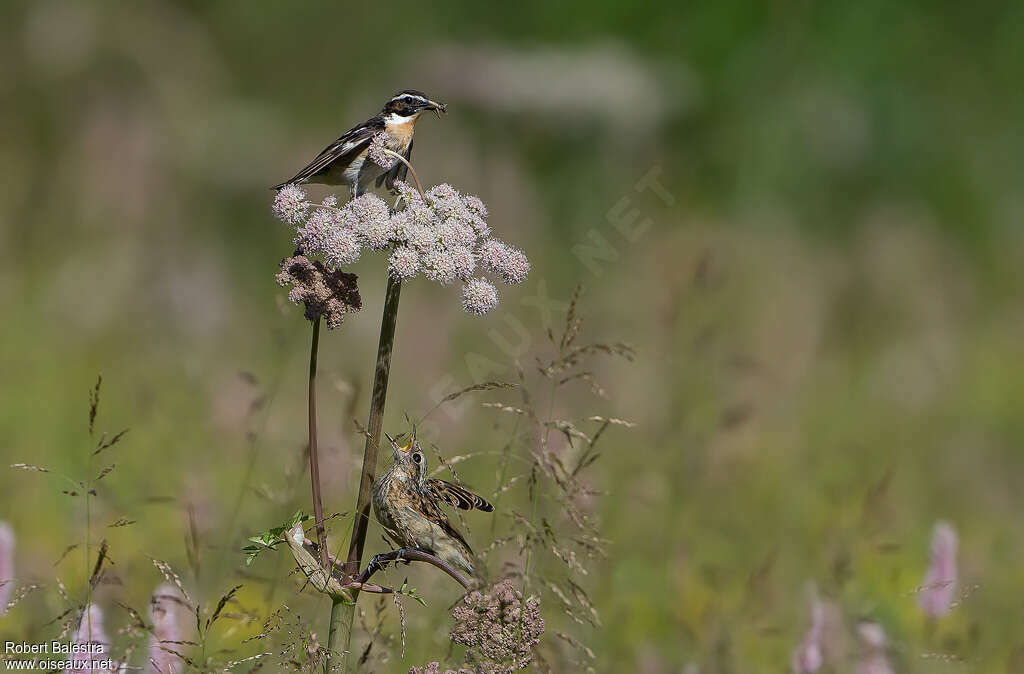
(394, 445)
(396, 448)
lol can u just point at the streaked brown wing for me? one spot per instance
(397, 172)
(457, 496)
(426, 507)
(350, 144)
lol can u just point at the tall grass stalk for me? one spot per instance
(94, 404)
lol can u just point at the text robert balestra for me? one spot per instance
(52, 648)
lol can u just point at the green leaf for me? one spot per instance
(272, 537)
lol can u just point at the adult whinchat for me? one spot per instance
(345, 161)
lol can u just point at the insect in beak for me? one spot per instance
(438, 108)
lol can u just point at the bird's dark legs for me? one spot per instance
(380, 561)
(406, 555)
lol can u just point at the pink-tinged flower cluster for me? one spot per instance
(446, 239)
(368, 216)
(498, 628)
(443, 237)
(6, 565)
(324, 293)
(167, 612)
(404, 263)
(504, 260)
(936, 594)
(435, 668)
(479, 296)
(291, 204)
(324, 219)
(378, 152)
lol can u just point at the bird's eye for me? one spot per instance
(417, 458)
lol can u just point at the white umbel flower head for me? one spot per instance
(404, 263)
(378, 152)
(420, 236)
(312, 237)
(370, 219)
(464, 261)
(442, 235)
(504, 260)
(479, 296)
(476, 207)
(439, 266)
(291, 204)
(340, 247)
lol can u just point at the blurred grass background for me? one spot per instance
(829, 315)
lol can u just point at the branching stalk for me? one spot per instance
(412, 555)
(380, 562)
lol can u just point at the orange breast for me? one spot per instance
(400, 135)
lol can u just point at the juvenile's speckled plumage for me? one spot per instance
(407, 504)
(345, 161)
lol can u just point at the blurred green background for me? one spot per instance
(827, 304)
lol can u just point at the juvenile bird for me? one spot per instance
(345, 161)
(408, 505)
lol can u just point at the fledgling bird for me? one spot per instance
(408, 505)
(346, 161)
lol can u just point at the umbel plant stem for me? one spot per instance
(342, 614)
(314, 458)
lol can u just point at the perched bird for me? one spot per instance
(408, 505)
(345, 161)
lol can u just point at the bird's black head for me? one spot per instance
(410, 103)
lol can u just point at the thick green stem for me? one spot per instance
(314, 458)
(342, 616)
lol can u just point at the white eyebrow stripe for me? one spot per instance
(412, 97)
